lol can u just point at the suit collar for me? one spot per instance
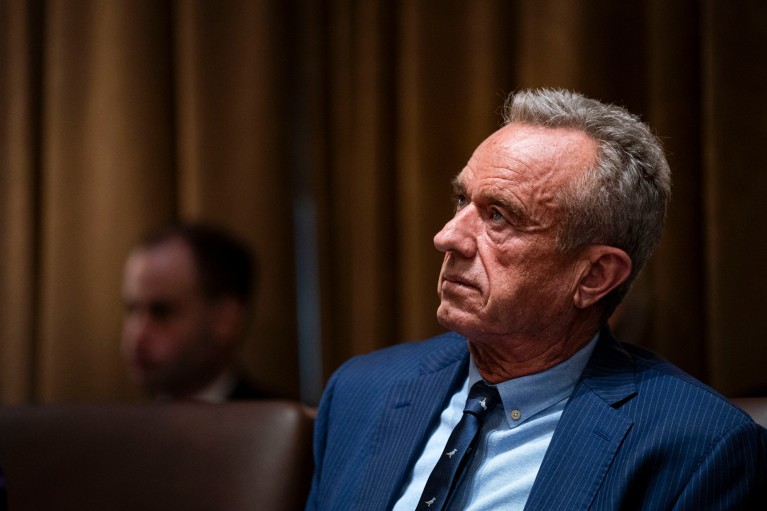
(450, 348)
(410, 411)
(610, 373)
(590, 431)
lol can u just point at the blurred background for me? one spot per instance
(326, 133)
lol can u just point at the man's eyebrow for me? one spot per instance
(518, 215)
(460, 189)
(458, 186)
(512, 208)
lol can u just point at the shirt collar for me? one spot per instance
(526, 396)
(218, 390)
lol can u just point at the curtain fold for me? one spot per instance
(326, 134)
(672, 294)
(231, 93)
(106, 174)
(20, 54)
(735, 79)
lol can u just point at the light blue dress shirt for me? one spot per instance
(513, 439)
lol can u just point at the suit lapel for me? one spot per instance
(589, 433)
(410, 410)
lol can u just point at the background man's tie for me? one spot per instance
(457, 454)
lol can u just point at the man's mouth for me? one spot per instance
(459, 281)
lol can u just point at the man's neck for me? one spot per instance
(504, 359)
(218, 390)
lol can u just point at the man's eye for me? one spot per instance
(496, 216)
(460, 201)
(160, 311)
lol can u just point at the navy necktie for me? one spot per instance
(437, 492)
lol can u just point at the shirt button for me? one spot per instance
(515, 415)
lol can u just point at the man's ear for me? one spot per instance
(604, 269)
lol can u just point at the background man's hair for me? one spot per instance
(225, 265)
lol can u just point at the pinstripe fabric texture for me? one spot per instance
(637, 433)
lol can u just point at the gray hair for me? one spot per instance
(622, 201)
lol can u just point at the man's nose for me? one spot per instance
(138, 329)
(459, 234)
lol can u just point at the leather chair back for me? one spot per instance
(756, 407)
(158, 457)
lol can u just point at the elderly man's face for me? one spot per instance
(502, 274)
(168, 340)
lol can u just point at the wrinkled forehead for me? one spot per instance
(523, 153)
(537, 147)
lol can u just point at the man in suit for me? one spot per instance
(187, 292)
(556, 213)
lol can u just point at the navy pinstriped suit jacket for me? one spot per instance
(637, 433)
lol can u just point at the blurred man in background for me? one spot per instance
(187, 291)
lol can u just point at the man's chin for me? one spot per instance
(149, 382)
(450, 317)
(467, 323)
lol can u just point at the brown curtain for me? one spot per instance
(326, 133)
